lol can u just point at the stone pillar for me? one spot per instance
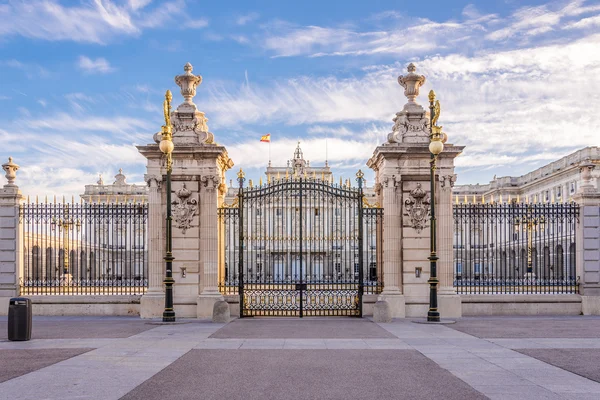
(588, 242)
(450, 304)
(11, 238)
(199, 166)
(153, 302)
(402, 173)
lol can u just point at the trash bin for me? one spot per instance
(19, 319)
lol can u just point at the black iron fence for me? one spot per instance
(515, 248)
(84, 249)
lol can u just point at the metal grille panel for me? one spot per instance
(300, 247)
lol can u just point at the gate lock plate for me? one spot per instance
(300, 286)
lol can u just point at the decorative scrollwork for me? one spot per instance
(417, 207)
(184, 209)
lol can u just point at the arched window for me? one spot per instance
(93, 267)
(36, 263)
(522, 268)
(50, 264)
(560, 260)
(512, 263)
(83, 265)
(572, 270)
(534, 262)
(73, 264)
(546, 263)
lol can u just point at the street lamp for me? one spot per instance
(166, 146)
(65, 224)
(436, 146)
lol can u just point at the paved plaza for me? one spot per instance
(310, 358)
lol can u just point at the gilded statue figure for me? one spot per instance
(167, 108)
(436, 113)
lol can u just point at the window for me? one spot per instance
(558, 192)
(278, 212)
(572, 187)
(317, 212)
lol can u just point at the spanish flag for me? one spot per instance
(266, 138)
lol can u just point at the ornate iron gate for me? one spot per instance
(300, 246)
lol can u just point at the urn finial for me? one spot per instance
(411, 83)
(11, 172)
(188, 83)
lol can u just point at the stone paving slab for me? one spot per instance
(81, 327)
(583, 362)
(309, 374)
(14, 363)
(302, 328)
(530, 327)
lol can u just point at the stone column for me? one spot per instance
(402, 167)
(209, 245)
(588, 242)
(153, 302)
(11, 238)
(449, 302)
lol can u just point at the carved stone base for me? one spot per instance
(396, 304)
(205, 304)
(450, 306)
(590, 305)
(152, 305)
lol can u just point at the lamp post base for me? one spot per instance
(169, 316)
(439, 322)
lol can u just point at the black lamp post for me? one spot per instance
(166, 146)
(436, 146)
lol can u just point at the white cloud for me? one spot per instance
(42, 102)
(503, 105)
(64, 152)
(245, 19)
(532, 21)
(406, 36)
(196, 23)
(94, 22)
(31, 70)
(241, 39)
(98, 66)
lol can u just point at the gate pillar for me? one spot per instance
(587, 240)
(198, 173)
(11, 238)
(402, 183)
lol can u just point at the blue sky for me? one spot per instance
(82, 82)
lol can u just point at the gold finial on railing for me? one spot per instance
(360, 174)
(341, 182)
(241, 174)
(431, 96)
(287, 174)
(250, 183)
(260, 181)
